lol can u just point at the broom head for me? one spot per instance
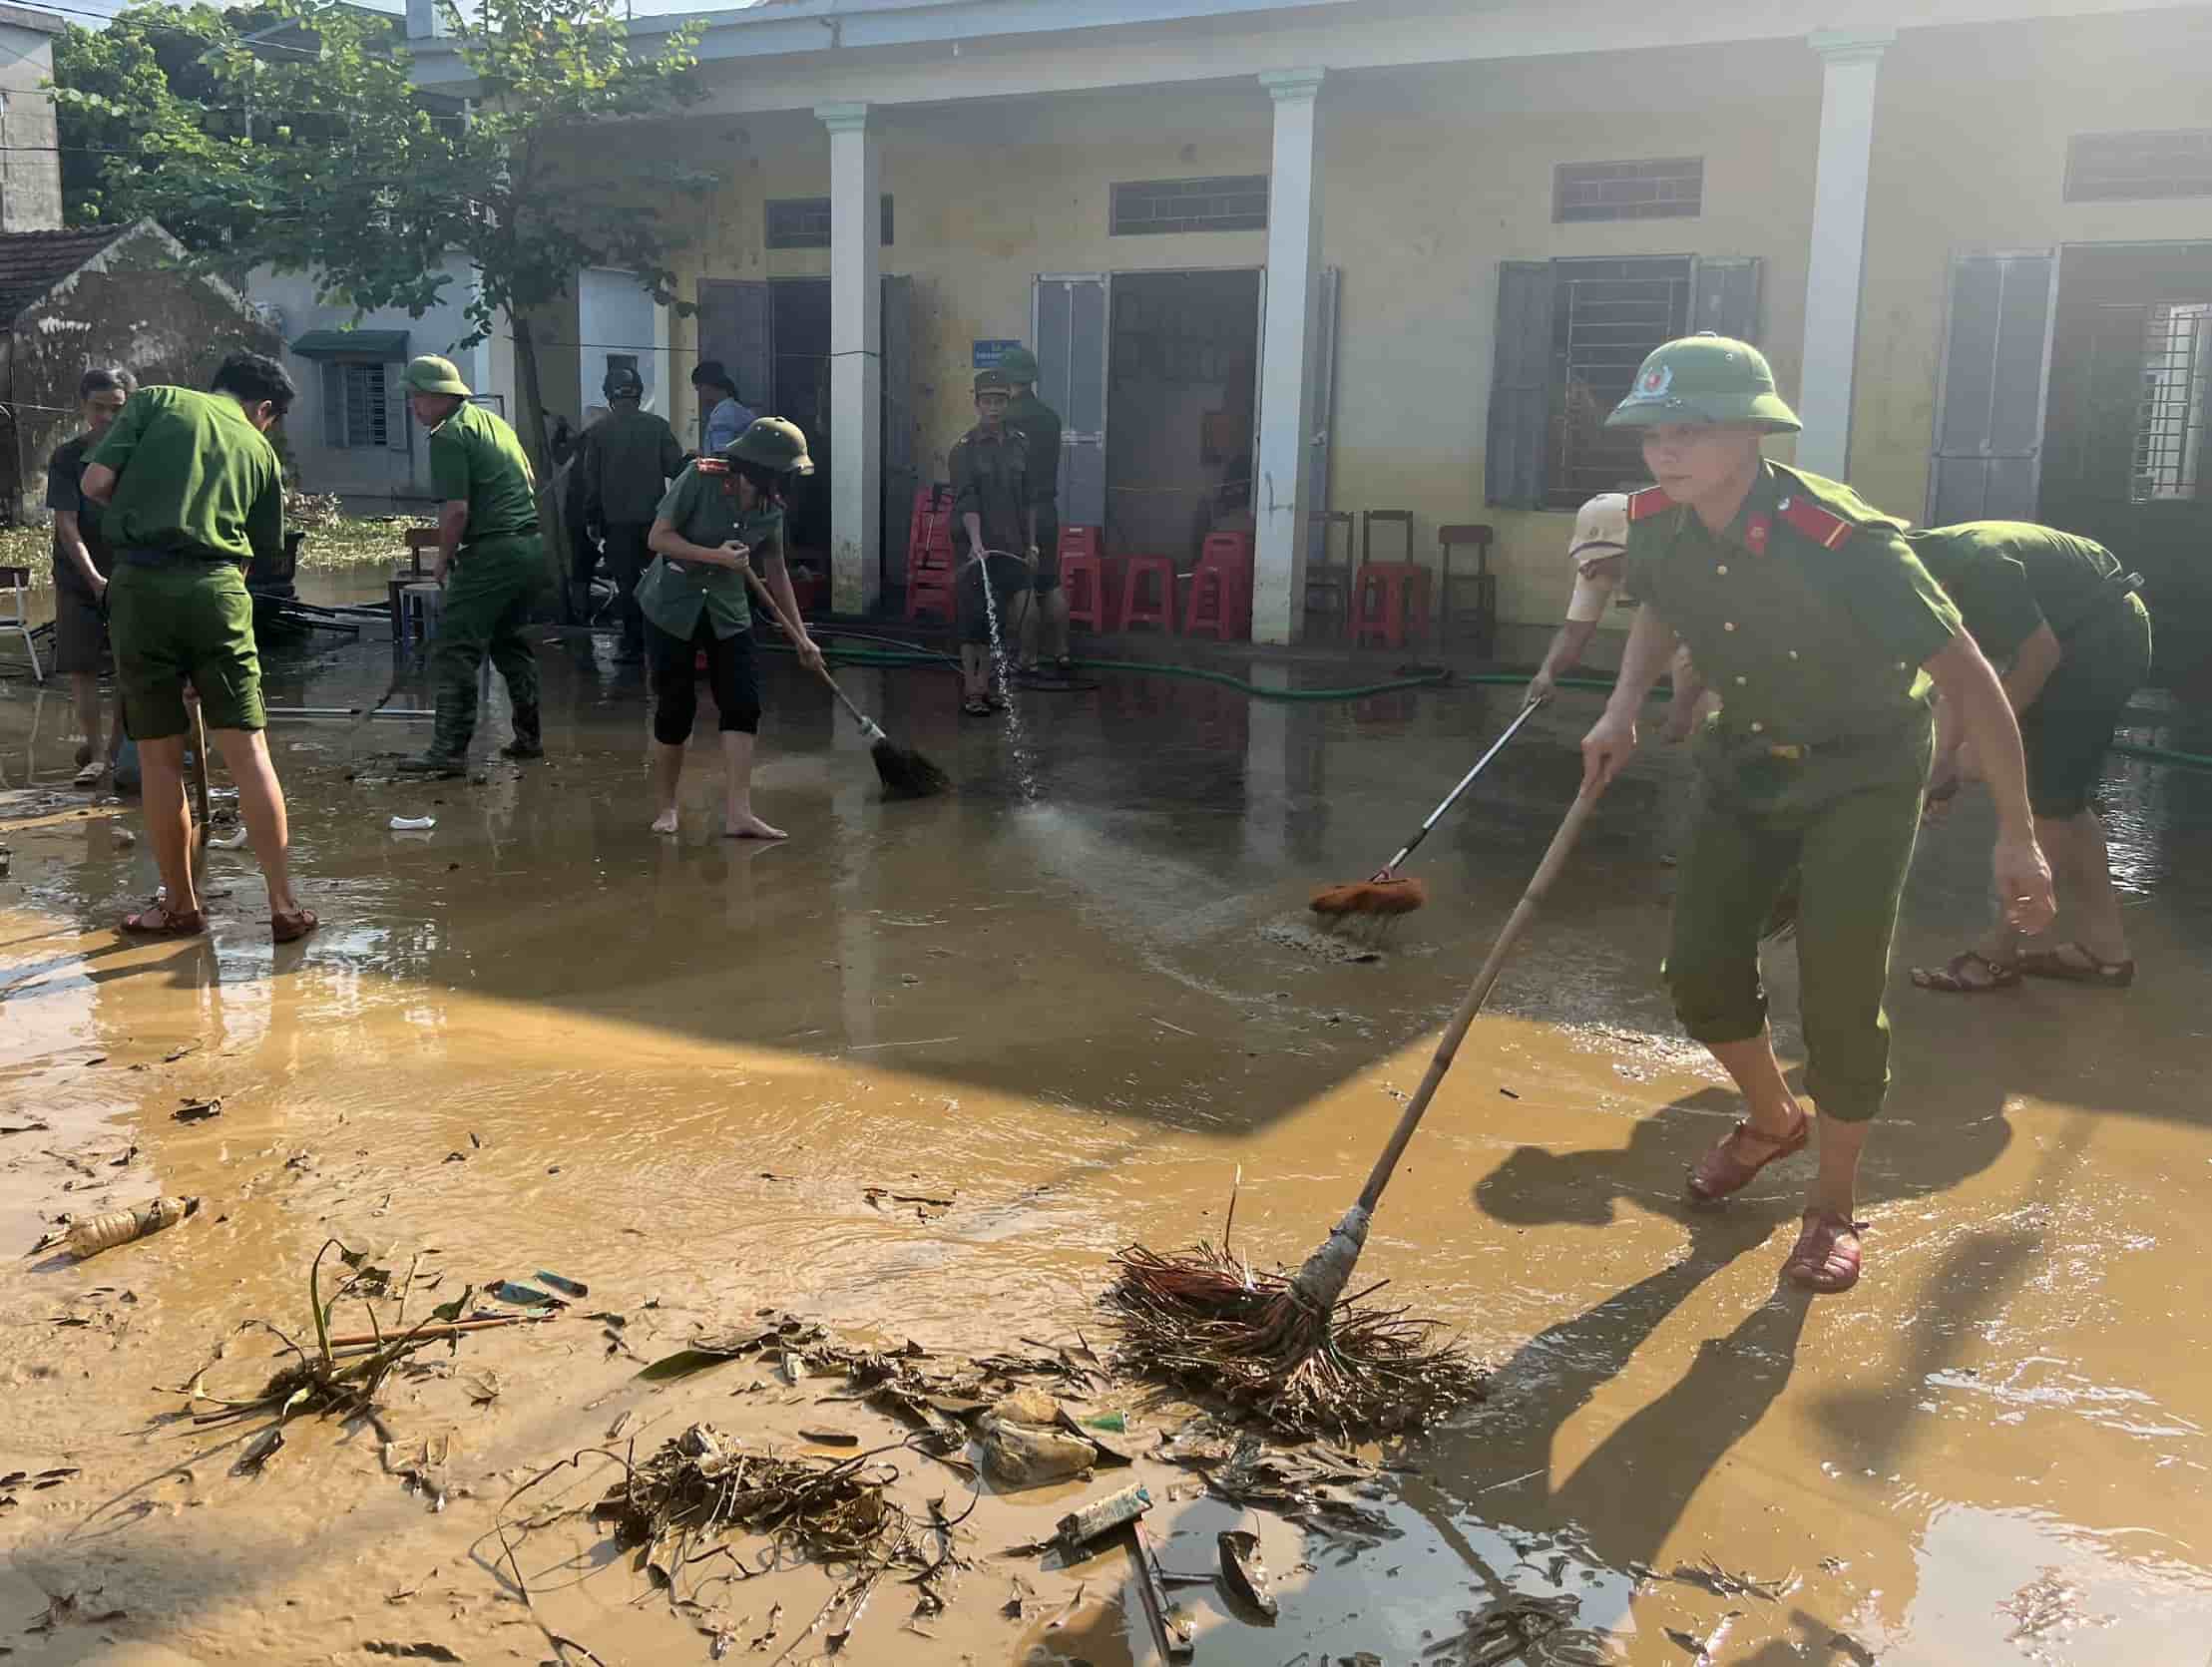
(1386, 895)
(906, 772)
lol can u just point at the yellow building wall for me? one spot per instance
(1969, 154)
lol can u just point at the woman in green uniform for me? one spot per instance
(720, 518)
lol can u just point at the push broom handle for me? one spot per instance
(1554, 859)
(776, 609)
(199, 769)
(1466, 782)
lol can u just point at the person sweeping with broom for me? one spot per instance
(719, 516)
(1809, 611)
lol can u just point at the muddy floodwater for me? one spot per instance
(916, 1073)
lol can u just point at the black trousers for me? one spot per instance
(729, 676)
(626, 560)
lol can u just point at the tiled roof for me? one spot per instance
(32, 262)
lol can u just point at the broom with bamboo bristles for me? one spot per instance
(901, 769)
(1386, 894)
(1293, 1347)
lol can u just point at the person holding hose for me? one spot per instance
(488, 560)
(192, 492)
(2064, 615)
(722, 518)
(1809, 612)
(989, 466)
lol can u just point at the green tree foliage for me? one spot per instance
(319, 156)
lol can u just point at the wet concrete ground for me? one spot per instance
(1076, 997)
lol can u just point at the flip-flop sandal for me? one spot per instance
(172, 923)
(995, 702)
(1722, 1171)
(2052, 964)
(289, 929)
(1950, 978)
(89, 773)
(1064, 666)
(1821, 1261)
(976, 708)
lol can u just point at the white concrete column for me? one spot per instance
(1282, 485)
(1839, 247)
(856, 360)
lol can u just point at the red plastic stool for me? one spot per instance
(1221, 589)
(1088, 577)
(929, 566)
(1135, 612)
(1386, 596)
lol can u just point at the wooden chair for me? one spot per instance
(420, 540)
(1329, 580)
(15, 584)
(1483, 619)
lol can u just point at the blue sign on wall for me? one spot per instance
(988, 353)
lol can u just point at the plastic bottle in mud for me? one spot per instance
(105, 1232)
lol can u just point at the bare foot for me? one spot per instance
(749, 826)
(664, 822)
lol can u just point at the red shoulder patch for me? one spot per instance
(1648, 503)
(1815, 523)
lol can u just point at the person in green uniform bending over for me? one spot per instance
(1045, 620)
(192, 492)
(488, 560)
(1809, 613)
(722, 518)
(626, 461)
(2065, 613)
(991, 495)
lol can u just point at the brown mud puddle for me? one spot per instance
(704, 1080)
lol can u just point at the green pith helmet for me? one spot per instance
(773, 443)
(623, 383)
(433, 375)
(993, 382)
(1705, 379)
(1019, 364)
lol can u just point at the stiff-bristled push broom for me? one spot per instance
(1386, 894)
(901, 769)
(1293, 1348)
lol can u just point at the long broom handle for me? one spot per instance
(776, 609)
(1554, 859)
(1466, 782)
(199, 769)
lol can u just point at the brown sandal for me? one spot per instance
(1721, 1172)
(1826, 1258)
(289, 929)
(1950, 978)
(159, 920)
(2054, 964)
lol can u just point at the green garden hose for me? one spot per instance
(1362, 691)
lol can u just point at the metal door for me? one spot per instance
(899, 475)
(1069, 314)
(1987, 461)
(735, 326)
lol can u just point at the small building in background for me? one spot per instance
(30, 163)
(111, 294)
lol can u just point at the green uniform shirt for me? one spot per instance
(672, 593)
(193, 477)
(1810, 615)
(627, 462)
(1038, 426)
(990, 478)
(476, 455)
(2008, 577)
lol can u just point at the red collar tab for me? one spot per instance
(1755, 533)
(1648, 503)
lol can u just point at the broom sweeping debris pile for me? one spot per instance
(1386, 894)
(1293, 1348)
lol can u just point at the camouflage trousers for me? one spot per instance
(488, 598)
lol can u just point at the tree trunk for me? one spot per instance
(532, 430)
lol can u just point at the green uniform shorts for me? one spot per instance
(1846, 817)
(181, 619)
(2068, 731)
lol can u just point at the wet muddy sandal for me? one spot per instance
(289, 929)
(976, 708)
(1724, 1171)
(159, 920)
(995, 702)
(1826, 1258)
(2060, 964)
(1953, 977)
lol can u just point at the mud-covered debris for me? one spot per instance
(260, 1451)
(1708, 1575)
(522, 1295)
(1028, 1406)
(1244, 1571)
(419, 1651)
(484, 1388)
(566, 1287)
(1107, 1514)
(1019, 1601)
(198, 1110)
(1701, 1650)
(32, 1127)
(1021, 1455)
(830, 1438)
(73, 1610)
